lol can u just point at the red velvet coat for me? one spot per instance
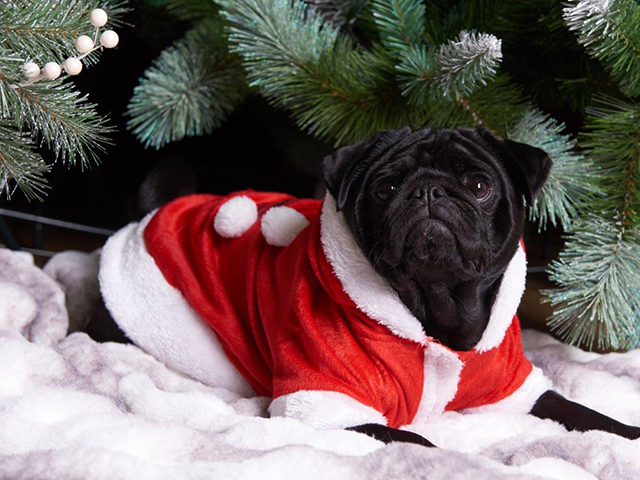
(302, 316)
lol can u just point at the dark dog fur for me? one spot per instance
(412, 202)
(439, 213)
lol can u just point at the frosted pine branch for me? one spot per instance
(36, 108)
(57, 115)
(20, 165)
(46, 30)
(189, 89)
(571, 178)
(609, 31)
(578, 15)
(598, 273)
(462, 64)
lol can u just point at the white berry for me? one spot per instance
(98, 17)
(84, 44)
(109, 39)
(31, 70)
(52, 70)
(73, 66)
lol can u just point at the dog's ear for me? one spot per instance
(528, 166)
(343, 168)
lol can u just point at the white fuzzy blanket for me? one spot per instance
(71, 408)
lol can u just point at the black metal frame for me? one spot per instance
(38, 221)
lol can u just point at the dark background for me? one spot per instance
(257, 147)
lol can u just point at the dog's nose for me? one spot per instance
(433, 192)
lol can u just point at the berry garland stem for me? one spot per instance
(72, 65)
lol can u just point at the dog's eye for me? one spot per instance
(384, 190)
(481, 189)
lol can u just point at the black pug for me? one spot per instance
(391, 300)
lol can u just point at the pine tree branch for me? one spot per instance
(189, 90)
(481, 109)
(572, 177)
(609, 31)
(612, 140)
(46, 30)
(416, 73)
(298, 61)
(50, 113)
(10, 74)
(400, 23)
(599, 270)
(598, 273)
(20, 164)
(60, 117)
(463, 64)
(426, 75)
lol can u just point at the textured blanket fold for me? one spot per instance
(80, 410)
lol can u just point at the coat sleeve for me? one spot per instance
(332, 370)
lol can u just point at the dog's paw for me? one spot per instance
(632, 433)
(387, 434)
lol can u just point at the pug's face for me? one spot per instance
(439, 213)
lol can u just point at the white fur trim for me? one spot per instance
(325, 410)
(442, 369)
(281, 225)
(157, 317)
(523, 399)
(235, 217)
(506, 303)
(371, 293)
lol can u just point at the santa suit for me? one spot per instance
(265, 293)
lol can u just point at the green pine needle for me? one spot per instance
(416, 75)
(46, 30)
(20, 165)
(63, 119)
(612, 141)
(609, 31)
(572, 176)
(598, 273)
(400, 23)
(454, 70)
(189, 90)
(45, 113)
(298, 61)
(463, 64)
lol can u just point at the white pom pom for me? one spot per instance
(98, 17)
(31, 70)
(109, 39)
(281, 225)
(52, 70)
(72, 66)
(235, 217)
(84, 44)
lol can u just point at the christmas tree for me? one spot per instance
(42, 44)
(345, 69)
(598, 302)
